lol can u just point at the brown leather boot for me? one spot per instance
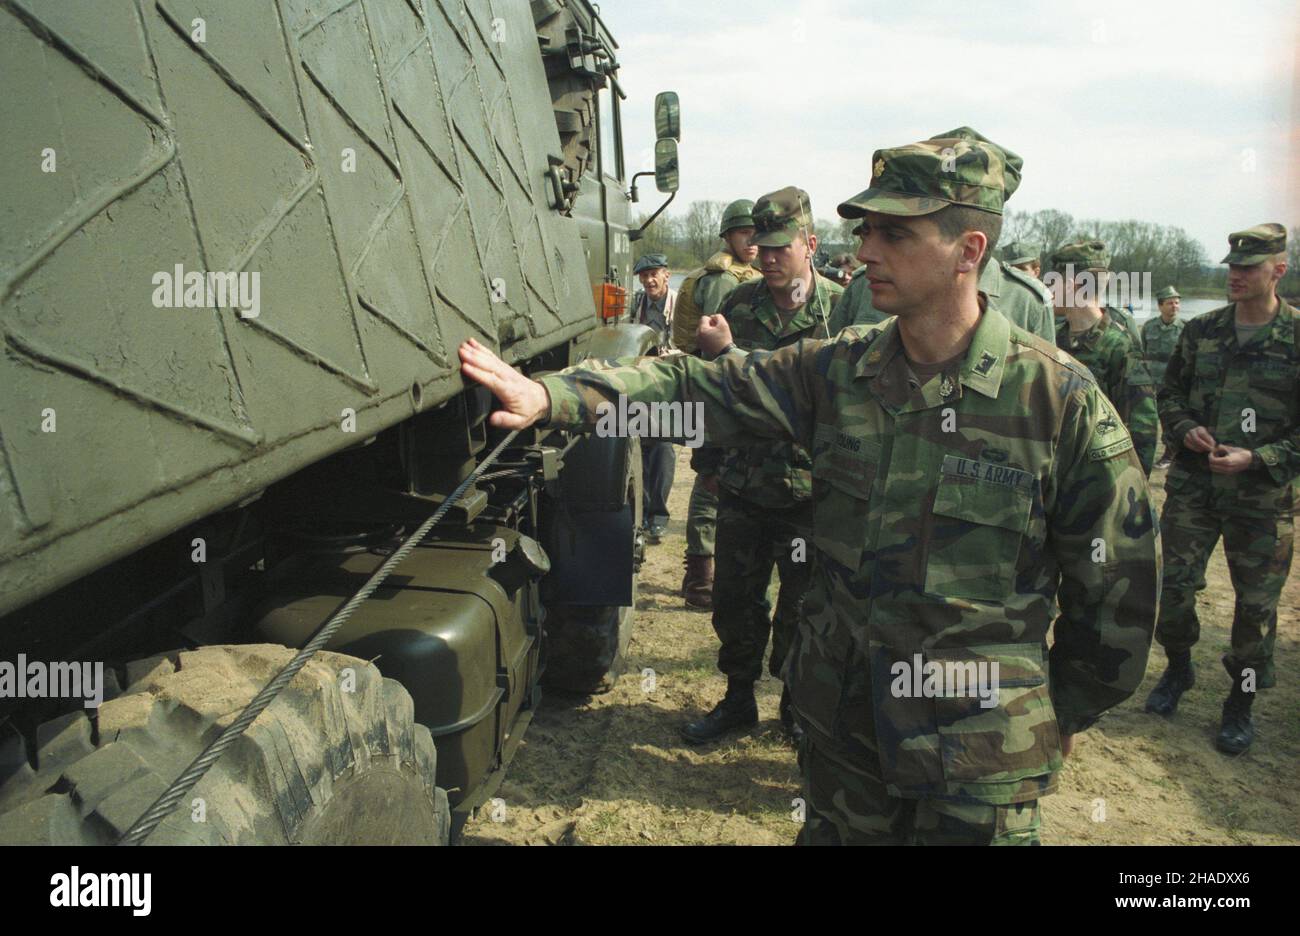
(697, 583)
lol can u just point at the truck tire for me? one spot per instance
(336, 759)
(586, 645)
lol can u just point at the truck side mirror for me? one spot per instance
(668, 119)
(666, 175)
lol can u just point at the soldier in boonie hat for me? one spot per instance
(781, 216)
(1255, 245)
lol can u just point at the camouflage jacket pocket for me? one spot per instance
(844, 470)
(819, 659)
(1273, 393)
(995, 718)
(978, 530)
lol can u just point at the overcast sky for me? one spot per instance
(1184, 113)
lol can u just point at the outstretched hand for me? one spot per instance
(525, 401)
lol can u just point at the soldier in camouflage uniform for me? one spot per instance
(1025, 257)
(1231, 397)
(1159, 338)
(952, 506)
(704, 289)
(764, 501)
(1092, 336)
(702, 293)
(1016, 294)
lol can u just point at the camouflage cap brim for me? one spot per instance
(1241, 258)
(775, 238)
(874, 199)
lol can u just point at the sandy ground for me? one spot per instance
(611, 768)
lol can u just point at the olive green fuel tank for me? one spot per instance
(239, 236)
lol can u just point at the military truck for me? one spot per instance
(241, 245)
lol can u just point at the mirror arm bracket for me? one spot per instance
(640, 232)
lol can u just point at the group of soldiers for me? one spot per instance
(968, 455)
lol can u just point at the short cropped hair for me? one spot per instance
(956, 220)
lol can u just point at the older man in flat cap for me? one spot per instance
(966, 477)
(1231, 398)
(653, 306)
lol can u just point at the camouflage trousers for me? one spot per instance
(751, 540)
(701, 520)
(844, 806)
(1258, 549)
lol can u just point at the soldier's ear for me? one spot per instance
(974, 244)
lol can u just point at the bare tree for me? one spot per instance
(700, 228)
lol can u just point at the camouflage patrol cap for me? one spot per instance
(1167, 293)
(1083, 255)
(1018, 252)
(922, 178)
(1011, 175)
(780, 216)
(650, 262)
(1255, 245)
(739, 213)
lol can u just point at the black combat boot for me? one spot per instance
(1237, 730)
(1179, 676)
(738, 709)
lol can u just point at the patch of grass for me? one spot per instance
(604, 821)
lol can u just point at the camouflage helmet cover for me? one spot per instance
(738, 214)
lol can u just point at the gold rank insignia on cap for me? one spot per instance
(878, 169)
